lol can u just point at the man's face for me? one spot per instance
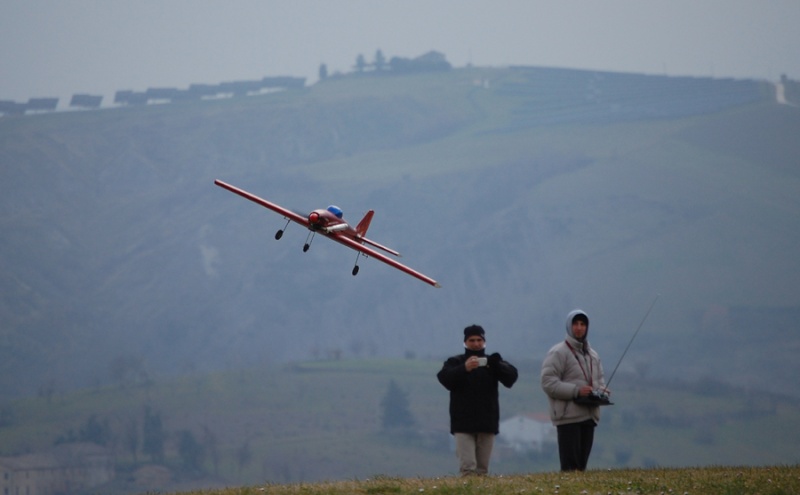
(475, 343)
(579, 329)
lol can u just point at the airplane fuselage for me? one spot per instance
(328, 221)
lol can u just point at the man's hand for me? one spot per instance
(471, 363)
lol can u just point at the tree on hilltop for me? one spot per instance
(380, 61)
(361, 63)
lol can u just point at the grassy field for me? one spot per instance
(716, 480)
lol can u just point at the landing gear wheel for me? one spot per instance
(278, 235)
(355, 270)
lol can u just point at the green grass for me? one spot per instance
(781, 480)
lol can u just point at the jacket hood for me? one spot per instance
(572, 315)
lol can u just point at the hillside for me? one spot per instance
(524, 191)
(322, 421)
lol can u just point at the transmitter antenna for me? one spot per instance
(631, 341)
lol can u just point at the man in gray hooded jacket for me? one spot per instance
(570, 372)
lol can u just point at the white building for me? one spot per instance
(527, 432)
(67, 468)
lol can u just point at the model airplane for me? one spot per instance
(329, 222)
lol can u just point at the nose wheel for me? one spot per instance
(309, 238)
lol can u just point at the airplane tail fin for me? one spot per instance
(363, 225)
(361, 234)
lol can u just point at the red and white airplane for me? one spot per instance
(329, 222)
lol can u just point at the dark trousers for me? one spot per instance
(575, 444)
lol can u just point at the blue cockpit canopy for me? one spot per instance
(336, 211)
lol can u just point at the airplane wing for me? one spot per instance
(289, 214)
(379, 246)
(347, 241)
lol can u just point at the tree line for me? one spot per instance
(197, 453)
(429, 62)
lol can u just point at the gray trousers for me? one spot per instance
(473, 451)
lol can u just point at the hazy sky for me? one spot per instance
(58, 48)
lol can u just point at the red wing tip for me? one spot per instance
(437, 285)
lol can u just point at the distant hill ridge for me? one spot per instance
(567, 96)
(598, 88)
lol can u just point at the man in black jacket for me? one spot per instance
(472, 380)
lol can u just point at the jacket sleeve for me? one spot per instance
(505, 372)
(553, 370)
(452, 373)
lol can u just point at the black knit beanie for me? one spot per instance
(474, 330)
